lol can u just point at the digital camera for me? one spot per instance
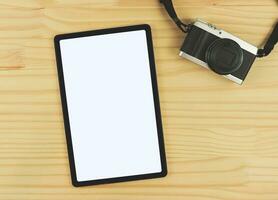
(215, 49)
(219, 51)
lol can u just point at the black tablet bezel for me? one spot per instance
(57, 40)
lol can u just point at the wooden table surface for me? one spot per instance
(221, 138)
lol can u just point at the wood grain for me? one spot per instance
(221, 138)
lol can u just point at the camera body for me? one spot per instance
(219, 51)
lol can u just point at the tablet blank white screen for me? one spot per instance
(110, 105)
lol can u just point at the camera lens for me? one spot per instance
(224, 56)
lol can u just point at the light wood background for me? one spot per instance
(221, 138)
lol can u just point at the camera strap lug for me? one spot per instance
(271, 42)
(168, 4)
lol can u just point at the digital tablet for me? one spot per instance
(110, 105)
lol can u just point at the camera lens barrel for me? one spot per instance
(224, 56)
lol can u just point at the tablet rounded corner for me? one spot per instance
(164, 173)
(147, 27)
(57, 38)
(75, 183)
